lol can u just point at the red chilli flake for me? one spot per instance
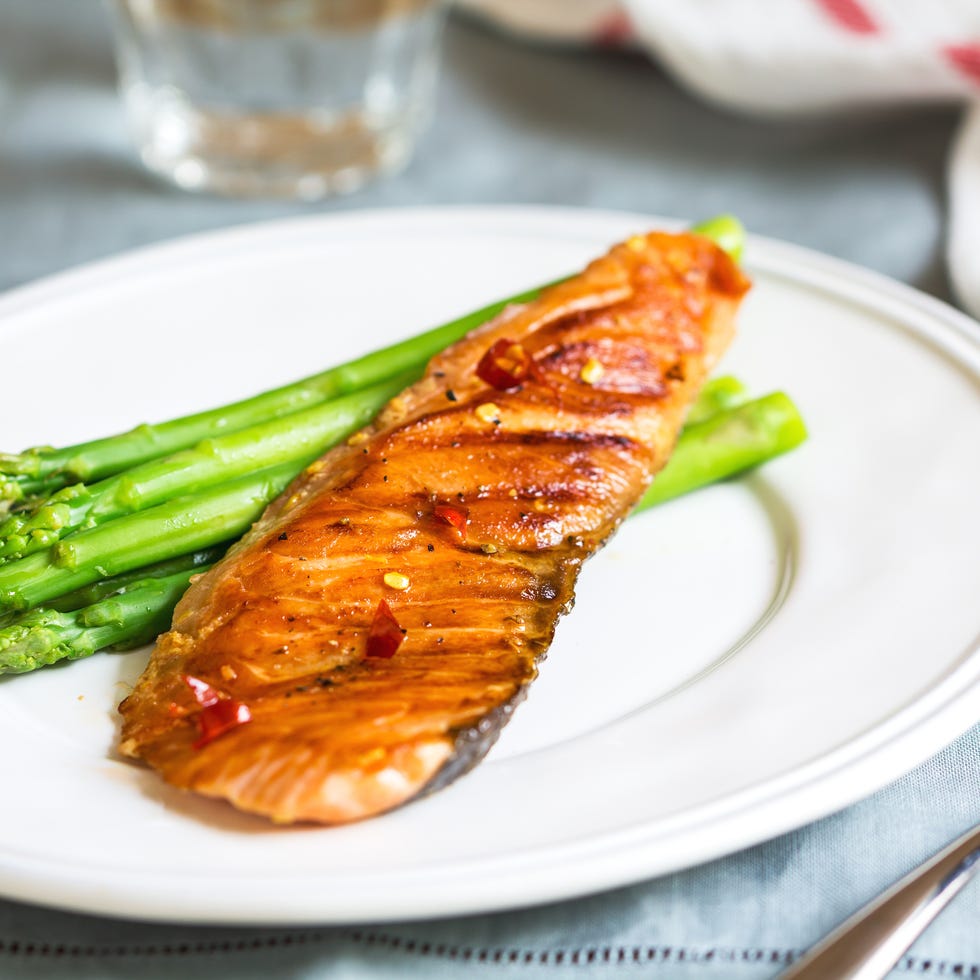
(453, 516)
(217, 719)
(385, 635)
(218, 714)
(505, 365)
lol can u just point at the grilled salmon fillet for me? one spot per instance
(368, 638)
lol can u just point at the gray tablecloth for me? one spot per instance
(519, 124)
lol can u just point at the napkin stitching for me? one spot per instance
(580, 956)
(631, 955)
(93, 950)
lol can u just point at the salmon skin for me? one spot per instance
(368, 638)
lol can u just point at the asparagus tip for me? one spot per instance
(726, 231)
(793, 430)
(37, 638)
(10, 492)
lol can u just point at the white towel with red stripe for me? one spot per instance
(793, 56)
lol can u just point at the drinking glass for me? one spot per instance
(295, 98)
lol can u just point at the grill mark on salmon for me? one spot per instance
(545, 472)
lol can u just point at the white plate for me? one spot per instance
(834, 594)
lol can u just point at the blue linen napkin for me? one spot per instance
(740, 917)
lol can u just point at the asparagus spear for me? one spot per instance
(42, 470)
(122, 621)
(727, 443)
(166, 531)
(194, 562)
(90, 594)
(734, 440)
(716, 395)
(726, 231)
(295, 439)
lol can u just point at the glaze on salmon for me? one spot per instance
(467, 508)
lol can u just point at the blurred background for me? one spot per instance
(529, 108)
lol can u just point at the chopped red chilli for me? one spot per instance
(217, 719)
(219, 714)
(452, 515)
(385, 635)
(505, 365)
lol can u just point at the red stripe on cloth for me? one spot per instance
(613, 30)
(965, 58)
(849, 14)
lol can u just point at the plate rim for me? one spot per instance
(889, 747)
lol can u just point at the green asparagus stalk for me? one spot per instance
(134, 608)
(128, 619)
(41, 471)
(89, 594)
(295, 439)
(726, 231)
(729, 442)
(716, 395)
(195, 562)
(175, 528)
